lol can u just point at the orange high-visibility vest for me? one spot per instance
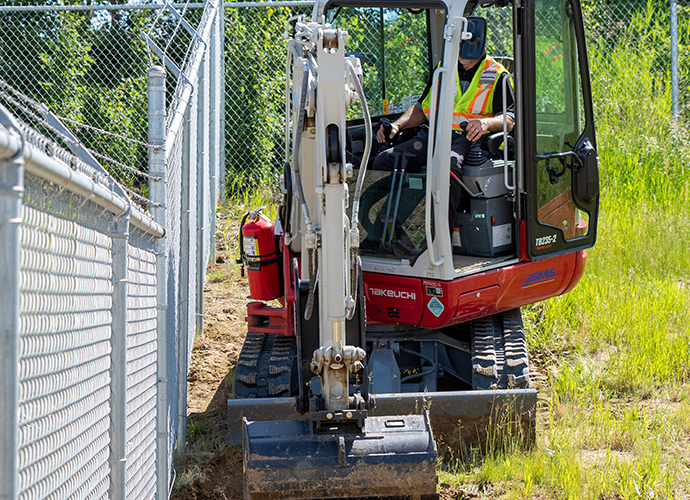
(477, 100)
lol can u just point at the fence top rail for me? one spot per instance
(38, 163)
(84, 8)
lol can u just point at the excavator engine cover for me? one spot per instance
(389, 456)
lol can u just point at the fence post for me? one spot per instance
(185, 248)
(214, 133)
(221, 101)
(216, 83)
(119, 233)
(202, 195)
(674, 58)
(11, 193)
(157, 194)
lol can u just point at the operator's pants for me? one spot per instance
(460, 147)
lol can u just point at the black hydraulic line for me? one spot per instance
(362, 327)
(429, 371)
(302, 404)
(419, 355)
(433, 368)
(313, 262)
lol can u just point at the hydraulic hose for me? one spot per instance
(367, 147)
(291, 54)
(313, 255)
(297, 145)
(424, 372)
(313, 258)
(360, 181)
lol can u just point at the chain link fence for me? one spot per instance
(91, 71)
(78, 353)
(104, 254)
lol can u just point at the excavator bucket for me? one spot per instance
(387, 457)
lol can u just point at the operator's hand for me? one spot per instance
(381, 134)
(475, 129)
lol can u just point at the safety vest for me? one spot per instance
(477, 100)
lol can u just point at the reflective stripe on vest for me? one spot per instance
(477, 100)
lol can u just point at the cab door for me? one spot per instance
(561, 177)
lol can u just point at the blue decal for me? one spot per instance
(540, 277)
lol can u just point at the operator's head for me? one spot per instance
(472, 50)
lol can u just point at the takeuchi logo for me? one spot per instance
(396, 294)
(540, 277)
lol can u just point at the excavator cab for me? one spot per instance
(553, 113)
(395, 326)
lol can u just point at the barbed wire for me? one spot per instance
(141, 199)
(122, 165)
(155, 147)
(39, 119)
(49, 145)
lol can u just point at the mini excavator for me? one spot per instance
(376, 325)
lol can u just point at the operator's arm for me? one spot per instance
(409, 119)
(477, 128)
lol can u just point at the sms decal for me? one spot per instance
(540, 277)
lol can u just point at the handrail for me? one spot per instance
(432, 132)
(505, 137)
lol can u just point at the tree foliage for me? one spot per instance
(88, 67)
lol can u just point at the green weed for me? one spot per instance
(196, 429)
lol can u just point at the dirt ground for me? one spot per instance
(210, 469)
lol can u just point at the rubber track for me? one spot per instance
(264, 367)
(516, 367)
(499, 352)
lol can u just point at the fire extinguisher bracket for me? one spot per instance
(259, 261)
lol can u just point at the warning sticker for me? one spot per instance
(456, 237)
(250, 246)
(503, 235)
(435, 306)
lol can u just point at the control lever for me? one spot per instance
(387, 129)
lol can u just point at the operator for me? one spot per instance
(478, 108)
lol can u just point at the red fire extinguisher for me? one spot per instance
(258, 253)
